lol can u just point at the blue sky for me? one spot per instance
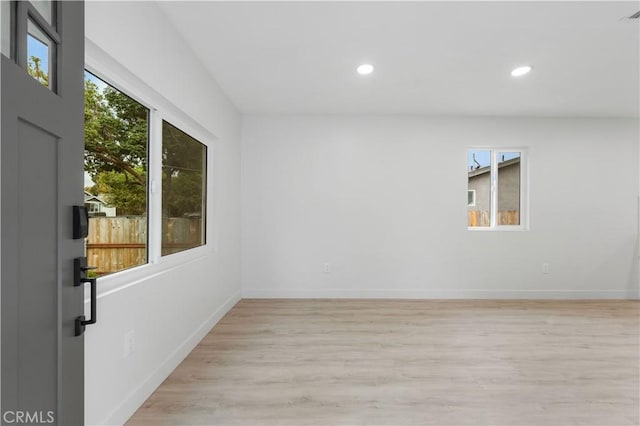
(101, 84)
(40, 50)
(483, 156)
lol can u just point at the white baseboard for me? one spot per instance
(136, 398)
(439, 294)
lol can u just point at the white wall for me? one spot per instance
(383, 199)
(170, 306)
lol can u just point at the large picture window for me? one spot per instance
(184, 165)
(116, 131)
(145, 179)
(495, 177)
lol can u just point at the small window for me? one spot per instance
(471, 197)
(93, 207)
(115, 163)
(30, 38)
(39, 47)
(495, 188)
(184, 188)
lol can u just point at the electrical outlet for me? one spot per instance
(327, 268)
(545, 268)
(129, 343)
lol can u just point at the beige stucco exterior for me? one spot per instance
(508, 186)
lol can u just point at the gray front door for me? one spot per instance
(41, 176)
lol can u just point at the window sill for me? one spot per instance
(118, 281)
(511, 228)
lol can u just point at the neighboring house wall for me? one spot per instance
(97, 207)
(481, 184)
(508, 187)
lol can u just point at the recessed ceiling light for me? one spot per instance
(365, 69)
(520, 71)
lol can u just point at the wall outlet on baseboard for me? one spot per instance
(129, 343)
(326, 268)
(545, 268)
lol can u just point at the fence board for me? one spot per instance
(117, 243)
(482, 217)
(180, 233)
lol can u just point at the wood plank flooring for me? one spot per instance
(409, 362)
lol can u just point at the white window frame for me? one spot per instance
(524, 188)
(103, 66)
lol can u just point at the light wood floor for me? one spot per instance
(409, 362)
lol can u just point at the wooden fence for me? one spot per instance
(117, 243)
(505, 217)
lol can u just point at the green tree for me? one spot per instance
(120, 192)
(34, 70)
(116, 134)
(183, 168)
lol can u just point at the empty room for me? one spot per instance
(320, 213)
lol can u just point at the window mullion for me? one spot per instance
(524, 192)
(493, 214)
(155, 186)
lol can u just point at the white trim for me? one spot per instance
(507, 228)
(100, 63)
(493, 190)
(126, 278)
(524, 188)
(182, 257)
(154, 172)
(473, 203)
(441, 294)
(131, 402)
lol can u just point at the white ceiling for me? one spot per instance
(442, 58)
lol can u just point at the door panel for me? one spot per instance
(41, 167)
(37, 269)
